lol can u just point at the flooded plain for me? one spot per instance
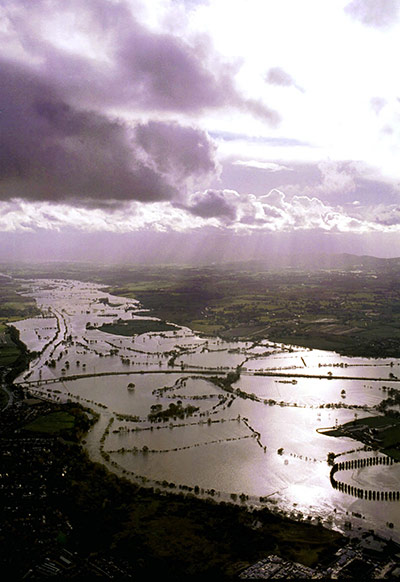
(257, 442)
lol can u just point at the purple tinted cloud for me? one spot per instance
(374, 12)
(377, 104)
(214, 204)
(58, 140)
(50, 150)
(387, 216)
(274, 212)
(165, 73)
(174, 149)
(270, 140)
(277, 76)
(144, 69)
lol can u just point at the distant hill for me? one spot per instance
(314, 262)
(93, 271)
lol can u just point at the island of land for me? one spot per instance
(381, 433)
(135, 327)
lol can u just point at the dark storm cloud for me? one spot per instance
(166, 74)
(162, 71)
(50, 150)
(58, 139)
(377, 13)
(143, 68)
(214, 204)
(172, 148)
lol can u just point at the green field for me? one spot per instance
(52, 423)
(351, 313)
(9, 353)
(380, 432)
(136, 327)
(13, 307)
(352, 307)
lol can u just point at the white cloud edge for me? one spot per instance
(273, 212)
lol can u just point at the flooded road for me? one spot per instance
(258, 439)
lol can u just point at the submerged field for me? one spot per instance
(233, 421)
(347, 304)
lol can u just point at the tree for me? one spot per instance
(331, 459)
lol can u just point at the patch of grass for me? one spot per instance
(136, 327)
(394, 453)
(384, 435)
(204, 327)
(9, 353)
(52, 423)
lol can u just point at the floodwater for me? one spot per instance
(260, 440)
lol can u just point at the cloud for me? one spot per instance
(186, 153)
(50, 150)
(377, 104)
(336, 177)
(107, 58)
(269, 166)
(374, 13)
(61, 80)
(163, 72)
(310, 213)
(22, 216)
(278, 76)
(339, 182)
(214, 204)
(332, 181)
(224, 211)
(275, 212)
(388, 216)
(268, 140)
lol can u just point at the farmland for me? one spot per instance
(352, 307)
(13, 306)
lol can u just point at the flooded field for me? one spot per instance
(167, 421)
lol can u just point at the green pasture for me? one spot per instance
(52, 423)
(386, 436)
(8, 354)
(136, 327)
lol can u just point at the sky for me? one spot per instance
(197, 130)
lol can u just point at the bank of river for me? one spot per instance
(258, 439)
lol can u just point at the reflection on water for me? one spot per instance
(260, 439)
